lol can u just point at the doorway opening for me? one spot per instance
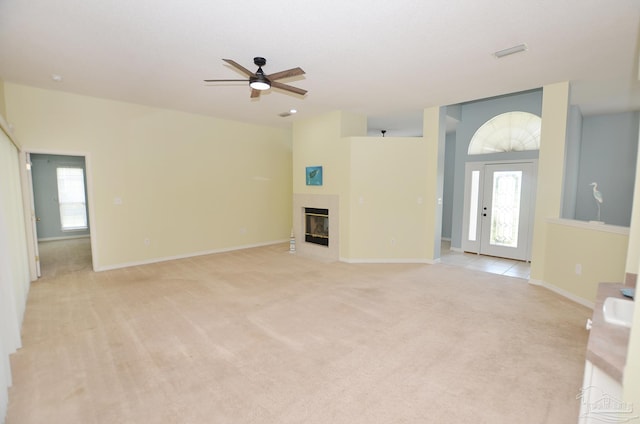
(58, 192)
(498, 208)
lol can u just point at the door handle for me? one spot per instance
(37, 219)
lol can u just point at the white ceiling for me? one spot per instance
(385, 59)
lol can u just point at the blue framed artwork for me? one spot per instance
(314, 175)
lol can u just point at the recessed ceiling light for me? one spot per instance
(511, 50)
(56, 78)
(285, 114)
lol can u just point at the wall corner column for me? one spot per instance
(434, 134)
(551, 164)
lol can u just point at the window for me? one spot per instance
(72, 199)
(507, 132)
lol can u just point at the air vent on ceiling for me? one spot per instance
(511, 50)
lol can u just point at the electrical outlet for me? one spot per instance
(147, 241)
(578, 269)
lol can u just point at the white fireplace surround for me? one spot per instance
(319, 201)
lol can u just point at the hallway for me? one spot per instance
(61, 257)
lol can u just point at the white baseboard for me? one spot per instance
(185, 256)
(562, 292)
(63, 238)
(389, 261)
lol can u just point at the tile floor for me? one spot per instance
(489, 264)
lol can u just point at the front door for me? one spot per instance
(499, 205)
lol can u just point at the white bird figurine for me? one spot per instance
(598, 196)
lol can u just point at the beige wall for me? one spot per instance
(318, 141)
(555, 109)
(633, 254)
(3, 109)
(388, 199)
(434, 134)
(598, 250)
(188, 183)
(632, 368)
(386, 186)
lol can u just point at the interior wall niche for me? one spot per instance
(607, 154)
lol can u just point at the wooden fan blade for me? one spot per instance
(225, 80)
(293, 72)
(239, 67)
(290, 88)
(255, 93)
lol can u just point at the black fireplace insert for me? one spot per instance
(316, 226)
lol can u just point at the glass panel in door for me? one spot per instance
(505, 211)
(505, 208)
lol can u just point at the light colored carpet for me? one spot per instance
(61, 257)
(263, 336)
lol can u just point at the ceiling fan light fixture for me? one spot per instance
(259, 85)
(259, 82)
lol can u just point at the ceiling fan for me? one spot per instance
(259, 81)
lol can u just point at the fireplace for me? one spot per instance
(316, 226)
(326, 204)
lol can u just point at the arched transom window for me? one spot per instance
(507, 132)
